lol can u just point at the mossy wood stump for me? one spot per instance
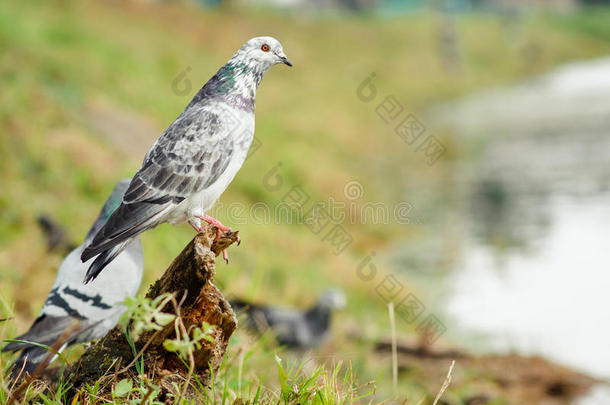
(191, 273)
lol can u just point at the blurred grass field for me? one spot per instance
(80, 81)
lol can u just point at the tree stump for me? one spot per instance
(191, 273)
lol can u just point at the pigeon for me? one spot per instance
(194, 160)
(55, 235)
(95, 306)
(292, 328)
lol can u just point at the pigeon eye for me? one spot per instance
(265, 48)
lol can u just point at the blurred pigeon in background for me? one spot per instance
(294, 328)
(195, 159)
(94, 306)
(55, 235)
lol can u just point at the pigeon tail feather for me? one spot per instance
(104, 258)
(27, 361)
(239, 305)
(125, 223)
(45, 330)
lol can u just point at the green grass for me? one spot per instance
(296, 383)
(65, 64)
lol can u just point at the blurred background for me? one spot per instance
(456, 155)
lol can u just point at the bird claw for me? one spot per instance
(220, 228)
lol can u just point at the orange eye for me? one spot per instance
(265, 48)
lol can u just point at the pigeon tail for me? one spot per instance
(239, 305)
(30, 358)
(103, 242)
(46, 330)
(249, 310)
(27, 361)
(125, 224)
(104, 258)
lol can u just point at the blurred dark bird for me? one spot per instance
(96, 306)
(55, 235)
(293, 328)
(195, 159)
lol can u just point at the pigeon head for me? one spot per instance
(333, 298)
(236, 82)
(262, 52)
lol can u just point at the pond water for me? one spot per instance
(533, 276)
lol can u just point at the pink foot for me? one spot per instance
(214, 222)
(220, 229)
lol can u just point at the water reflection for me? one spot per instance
(533, 275)
(504, 218)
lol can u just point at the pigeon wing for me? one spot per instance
(189, 157)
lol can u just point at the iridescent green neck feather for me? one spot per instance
(236, 83)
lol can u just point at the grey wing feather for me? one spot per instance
(190, 156)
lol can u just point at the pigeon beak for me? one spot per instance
(285, 60)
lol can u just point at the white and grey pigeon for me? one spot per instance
(294, 328)
(95, 305)
(192, 163)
